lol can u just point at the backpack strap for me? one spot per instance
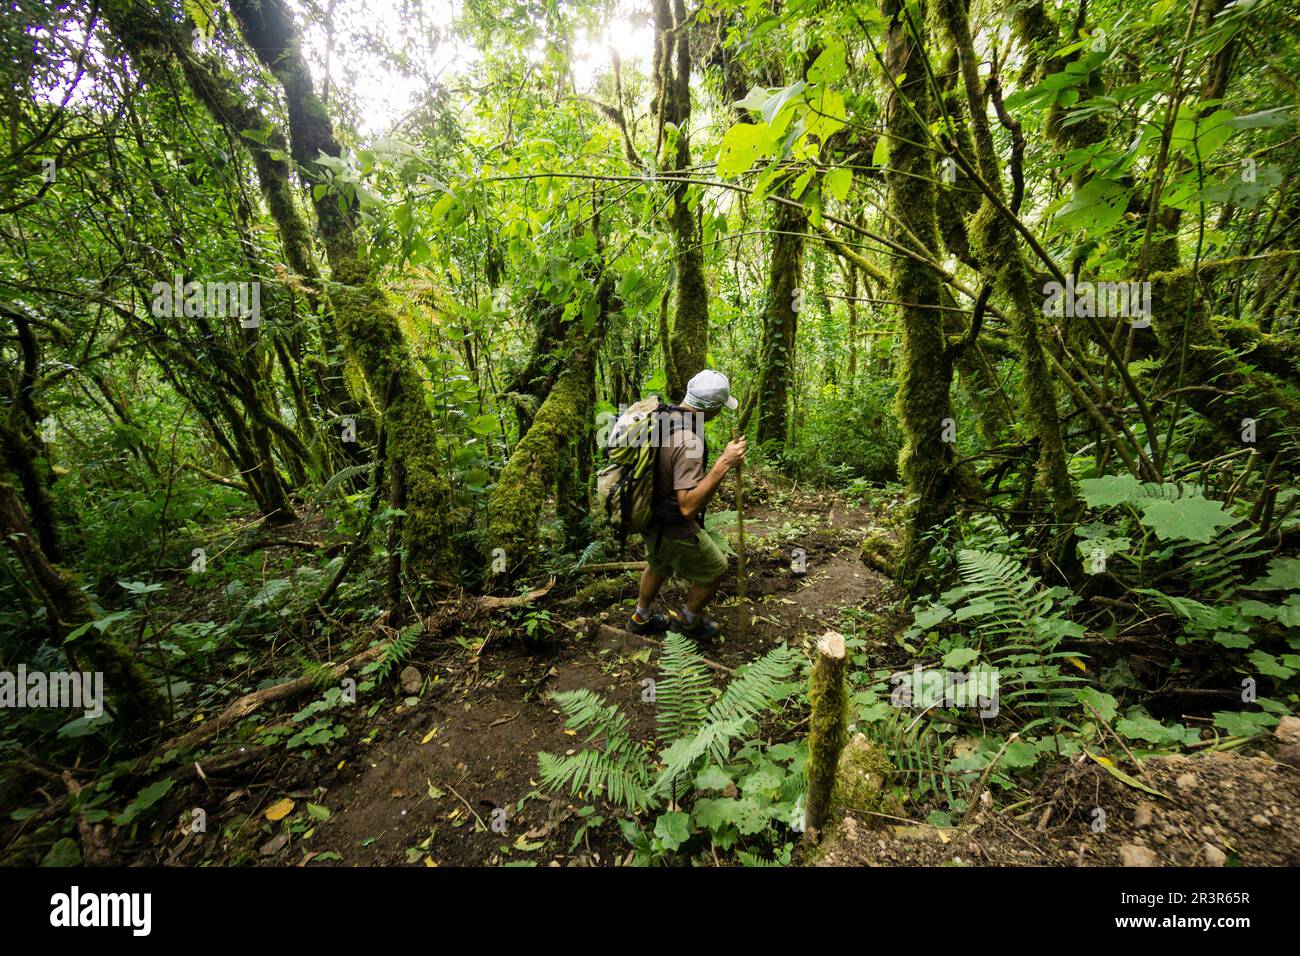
(665, 510)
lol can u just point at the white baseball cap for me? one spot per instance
(709, 390)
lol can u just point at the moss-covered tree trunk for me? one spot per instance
(220, 95)
(366, 323)
(688, 343)
(997, 249)
(827, 729)
(780, 322)
(925, 369)
(20, 437)
(1243, 404)
(551, 445)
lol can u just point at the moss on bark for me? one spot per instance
(136, 699)
(689, 341)
(826, 727)
(781, 322)
(924, 367)
(516, 502)
(997, 249)
(367, 325)
(1224, 391)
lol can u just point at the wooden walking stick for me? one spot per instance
(742, 602)
(742, 598)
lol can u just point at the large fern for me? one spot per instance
(683, 691)
(1020, 628)
(691, 728)
(918, 752)
(619, 767)
(756, 688)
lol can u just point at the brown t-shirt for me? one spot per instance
(679, 466)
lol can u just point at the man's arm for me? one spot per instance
(693, 500)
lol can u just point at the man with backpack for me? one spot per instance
(675, 540)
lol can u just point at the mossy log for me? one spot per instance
(827, 729)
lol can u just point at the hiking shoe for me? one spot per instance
(655, 622)
(702, 630)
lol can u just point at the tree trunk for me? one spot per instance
(997, 248)
(827, 729)
(688, 343)
(367, 324)
(780, 322)
(925, 373)
(138, 704)
(515, 504)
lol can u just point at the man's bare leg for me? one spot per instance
(650, 585)
(700, 594)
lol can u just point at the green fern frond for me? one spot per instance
(622, 777)
(1020, 626)
(684, 690)
(755, 688)
(686, 754)
(619, 768)
(919, 754)
(399, 649)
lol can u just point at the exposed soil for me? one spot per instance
(448, 776)
(1219, 809)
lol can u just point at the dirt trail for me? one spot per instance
(427, 782)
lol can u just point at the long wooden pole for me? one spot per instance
(742, 597)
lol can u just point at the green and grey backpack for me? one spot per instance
(625, 488)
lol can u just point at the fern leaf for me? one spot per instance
(684, 690)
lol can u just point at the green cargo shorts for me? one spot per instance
(696, 559)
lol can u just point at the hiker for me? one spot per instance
(675, 540)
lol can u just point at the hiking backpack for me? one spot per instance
(625, 488)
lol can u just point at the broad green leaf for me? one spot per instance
(1109, 490)
(829, 66)
(1186, 519)
(145, 799)
(838, 181)
(673, 829)
(1104, 704)
(1283, 575)
(959, 657)
(712, 777)
(1243, 723)
(742, 146)
(1095, 206)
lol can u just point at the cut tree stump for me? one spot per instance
(827, 729)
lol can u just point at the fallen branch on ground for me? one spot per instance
(489, 603)
(250, 703)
